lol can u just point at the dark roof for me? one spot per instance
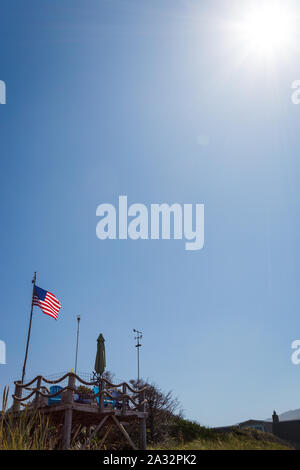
(254, 421)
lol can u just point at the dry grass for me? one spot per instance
(238, 439)
(33, 432)
(27, 432)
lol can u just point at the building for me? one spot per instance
(265, 426)
(288, 431)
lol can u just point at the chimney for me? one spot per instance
(275, 417)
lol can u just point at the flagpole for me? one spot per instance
(29, 329)
(76, 355)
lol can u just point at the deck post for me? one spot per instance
(101, 397)
(143, 429)
(37, 395)
(67, 429)
(124, 391)
(18, 394)
(143, 434)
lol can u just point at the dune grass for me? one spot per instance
(238, 439)
(33, 432)
(28, 432)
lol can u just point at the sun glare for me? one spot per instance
(268, 29)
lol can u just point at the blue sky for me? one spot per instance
(106, 98)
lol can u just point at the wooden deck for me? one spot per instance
(88, 415)
(70, 413)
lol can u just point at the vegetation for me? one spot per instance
(161, 408)
(28, 433)
(187, 435)
(166, 430)
(83, 390)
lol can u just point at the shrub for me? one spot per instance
(185, 430)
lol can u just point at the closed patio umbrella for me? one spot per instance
(100, 362)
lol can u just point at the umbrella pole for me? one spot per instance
(101, 397)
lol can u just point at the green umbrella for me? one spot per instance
(100, 362)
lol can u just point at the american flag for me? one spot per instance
(47, 302)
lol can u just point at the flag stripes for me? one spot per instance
(46, 301)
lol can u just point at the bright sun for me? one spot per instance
(268, 28)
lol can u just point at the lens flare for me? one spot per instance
(268, 28)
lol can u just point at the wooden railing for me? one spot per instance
(126, 394)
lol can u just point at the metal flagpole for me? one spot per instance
(76, 356)
(138, 338)
(29, 329)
